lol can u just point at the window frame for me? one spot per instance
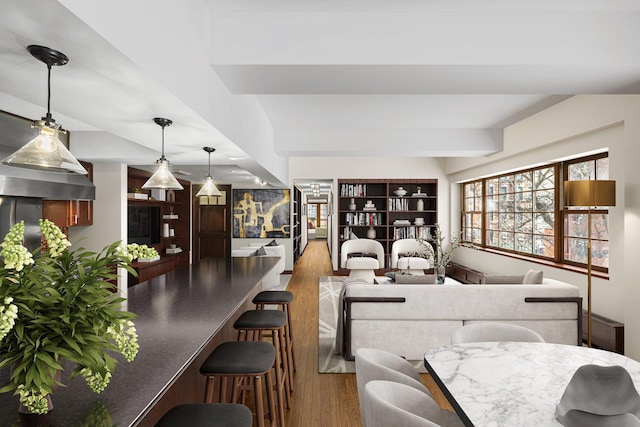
(568, 210)
(561, 172)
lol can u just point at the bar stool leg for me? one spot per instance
(289, 332)
(280, 381)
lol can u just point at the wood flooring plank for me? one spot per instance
(321, 400)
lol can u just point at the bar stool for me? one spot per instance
(240, 359)
(252, 325)
(283, 300)
(207, 415)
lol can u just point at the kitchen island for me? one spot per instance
(182, 316)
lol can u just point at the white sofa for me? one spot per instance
(430, 313)
(272, 278)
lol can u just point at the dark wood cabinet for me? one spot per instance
(296, 229)
(149, 270)
(465, 274)
(174, 224)
(69, 213)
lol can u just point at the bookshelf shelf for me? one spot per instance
(394, 217)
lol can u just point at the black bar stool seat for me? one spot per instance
(207, 415)
(273, 297)
(239, 358)
(261, 319)
(242, 360)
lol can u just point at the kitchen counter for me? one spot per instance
(182, 316)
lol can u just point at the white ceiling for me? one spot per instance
(332, 77)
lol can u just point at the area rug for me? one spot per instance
(328, 362)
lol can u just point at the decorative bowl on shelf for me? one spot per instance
(400, 192)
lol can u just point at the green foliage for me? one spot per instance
(442, 254)
(65, 310)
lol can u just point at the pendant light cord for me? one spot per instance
(48, 118)
(162, 156)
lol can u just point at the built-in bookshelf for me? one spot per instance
(391, 208)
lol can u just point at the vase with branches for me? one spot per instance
(443, 253)
(58, 304)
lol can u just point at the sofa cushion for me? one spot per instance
(259, 252)
(533, 277)
(503, 279)
(423, 279)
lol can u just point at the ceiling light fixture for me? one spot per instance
(46, 151)
(209, 188)
(162, 178)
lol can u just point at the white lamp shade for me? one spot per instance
(209, 188)
(162, 178)
(46, 152)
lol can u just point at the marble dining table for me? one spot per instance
(495, 384)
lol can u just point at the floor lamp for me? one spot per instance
(588, 194)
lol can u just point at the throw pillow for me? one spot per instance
(259, 252)
(503, 279)
(272, 243)
(409, 279)
(533, 277)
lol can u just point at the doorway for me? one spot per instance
(212, 224)
(317, 220)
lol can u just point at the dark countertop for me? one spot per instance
(178, 313)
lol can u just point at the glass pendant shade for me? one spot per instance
(209, 188)
(46, 152)
(162, 178)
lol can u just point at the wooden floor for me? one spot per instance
(322, 400)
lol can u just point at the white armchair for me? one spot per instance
(408, 264)
(356, 255)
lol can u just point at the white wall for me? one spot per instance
(371, 168)
(109, 213)
(580, 124)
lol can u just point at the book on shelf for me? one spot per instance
(363, 218)
(398, 204)
(411, 232)
(353, 190)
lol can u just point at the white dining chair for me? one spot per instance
(388, 403)
(373, 364)
(494, 331)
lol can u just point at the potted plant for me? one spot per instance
(442, 255)
(57, 304)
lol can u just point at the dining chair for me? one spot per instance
(494, 331)
(388, 403)
(373, 364)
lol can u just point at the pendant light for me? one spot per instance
(209, 188)
(162, 178)
(46, 151)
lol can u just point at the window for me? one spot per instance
(575, 218)
(472, 212)
(520, 213)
